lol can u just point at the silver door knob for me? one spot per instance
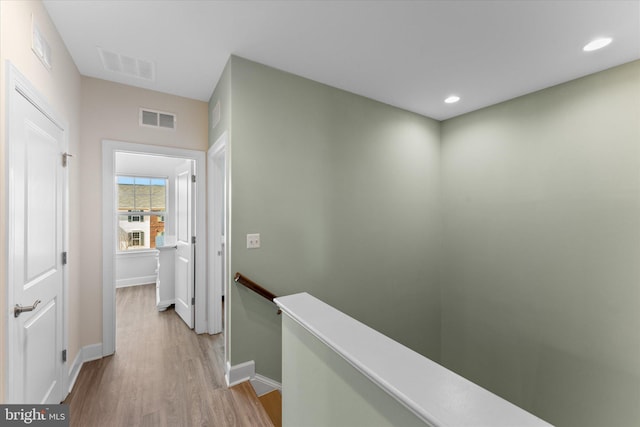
(20, 309)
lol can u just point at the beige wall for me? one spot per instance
(60, 87)
(110, 111)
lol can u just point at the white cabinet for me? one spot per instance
(165, 294)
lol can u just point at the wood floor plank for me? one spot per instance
(162, 374)
(249, 407)
(272, 403)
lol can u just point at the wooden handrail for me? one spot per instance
(250, 284)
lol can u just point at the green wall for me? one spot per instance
(503, 244)
(344, 193)
(329, 391)
(541, 262)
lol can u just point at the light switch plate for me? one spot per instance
(253, 241)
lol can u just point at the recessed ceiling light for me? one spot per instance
(597, 44)
(452, 99)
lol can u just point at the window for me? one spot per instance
(135, 218)
(136, 238)
(141, 212)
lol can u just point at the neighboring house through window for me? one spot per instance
(135, 218)
(142, 205)
(136, 238)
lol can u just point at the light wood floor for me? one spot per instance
(272, 403)
(162, 374)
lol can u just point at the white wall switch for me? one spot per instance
(253, 241)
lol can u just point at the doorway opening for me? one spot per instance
(154, 228)
(175, 217)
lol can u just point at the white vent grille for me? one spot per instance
(215, 115)
(127, 65)
(157, 119)
(39, 45)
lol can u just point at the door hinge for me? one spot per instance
(65, 159)
(64, 258)
(64, 355)
(193, 300)
(193, 239)
(193, 178)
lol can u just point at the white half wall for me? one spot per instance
(136, 268)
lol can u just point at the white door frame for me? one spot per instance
(109, 150)
(17, 82)
(217, 191)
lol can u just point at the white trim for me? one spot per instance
(17, 82)
(240, 373)
(92, 352)
(133, 253)
(263, 385)
(246, 371)
(217, 152)
(74, 371)
(109, 148)
(163, 305)
(228, 248)
(85, 354)
(136, 281)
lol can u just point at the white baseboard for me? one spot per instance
(136, 281)
(237, 374)
(246, 371)
(163, 305)
(86, 354)
(263, 385)
(92, 352)
(74, 370)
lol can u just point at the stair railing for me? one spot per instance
(250, 284)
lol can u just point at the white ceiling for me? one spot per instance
(410, 54)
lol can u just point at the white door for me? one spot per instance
(184, 283)
(36, 197)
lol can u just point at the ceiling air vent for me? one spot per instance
(127, 65)
(157, 119)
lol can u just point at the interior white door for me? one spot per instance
(36, 275)
(184, 282)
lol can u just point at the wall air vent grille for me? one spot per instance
(157, 119)
(126, 65)
(215, 115)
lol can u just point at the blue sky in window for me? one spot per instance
(125, 180)
(141, 181)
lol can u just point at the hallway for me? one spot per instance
(162, 374)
